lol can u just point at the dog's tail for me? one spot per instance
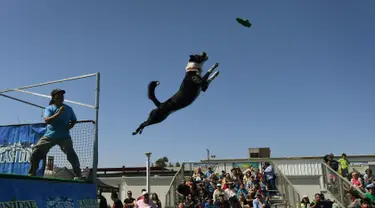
(151, 92)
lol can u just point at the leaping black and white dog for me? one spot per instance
(190, 89)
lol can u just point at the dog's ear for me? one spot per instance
(192, 58)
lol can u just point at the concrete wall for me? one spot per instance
(306, 185)
(303, 166)
(311, 167)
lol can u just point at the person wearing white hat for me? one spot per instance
(219, 191)
(145, 202)
(305, 202)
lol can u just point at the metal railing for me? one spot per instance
(286, 188)
(338, 186)
(171, 196)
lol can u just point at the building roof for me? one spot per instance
(278, 158)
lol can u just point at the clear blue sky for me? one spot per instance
(300, 80)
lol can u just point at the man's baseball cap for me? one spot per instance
(57, 91)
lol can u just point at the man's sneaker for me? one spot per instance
(79, 178)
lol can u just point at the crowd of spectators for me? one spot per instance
(361, 189)
(319, 201)
(237, 189)
(142, 201)
(254, 187)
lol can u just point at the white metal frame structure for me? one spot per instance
(95, 106)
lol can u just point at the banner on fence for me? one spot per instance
(245, 165)
(204, 166)
(47, 194)
(16, 144)
(360, 167)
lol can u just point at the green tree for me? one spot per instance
(162, 162)
(170, 164)
(152, 165)
(177, 164)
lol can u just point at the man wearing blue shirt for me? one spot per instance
(60, 118)
(259, 202)
(209, 172)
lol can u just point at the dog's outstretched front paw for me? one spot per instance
(212, 77)
(213, 68)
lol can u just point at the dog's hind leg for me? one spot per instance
(151, 92)
(140, 128)
(156, 116)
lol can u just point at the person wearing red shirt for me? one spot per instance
(141, 197)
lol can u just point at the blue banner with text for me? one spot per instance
(16, 144)
(46, 194)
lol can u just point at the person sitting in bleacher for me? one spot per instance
(368, 177)
(242, 190)
(226, 180)
(371, 195)
(222, 202)
(372, 184)
(262, 185)
(356, 180)
(354, 200)
(259, 202)
(218, 192)
(243, 202)
(247, 177)
(189, 202)
(230, 191)
(305, 202)
(222, 175)
(257, 175)
(211, 186)
(366, 203)
(250, 183)
(209, 203)
(209, 172)
(199, 175)
(317, 201)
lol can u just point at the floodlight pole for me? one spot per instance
(148, 155)
(95, 162)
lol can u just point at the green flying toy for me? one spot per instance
(244, 22)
